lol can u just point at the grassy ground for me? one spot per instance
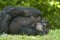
(52, 35)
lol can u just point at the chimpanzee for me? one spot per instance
(17, 20)
(4, 21)
(28, 26)
(22, 11)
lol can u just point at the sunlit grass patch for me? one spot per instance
(52, 35)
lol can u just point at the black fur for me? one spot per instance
(19, 20)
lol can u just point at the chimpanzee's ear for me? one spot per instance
(33, 18)
(39, 18)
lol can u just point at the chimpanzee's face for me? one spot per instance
(42, 26)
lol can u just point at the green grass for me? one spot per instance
(52, 35)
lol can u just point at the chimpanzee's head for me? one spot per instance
(42, 27)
